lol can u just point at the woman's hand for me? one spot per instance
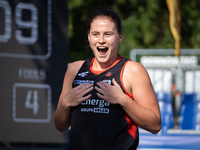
(111, 93)
(77, 95)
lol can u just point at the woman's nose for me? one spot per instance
(101, 40)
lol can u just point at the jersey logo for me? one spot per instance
(83, 74)
(108, 74)
(78, 82)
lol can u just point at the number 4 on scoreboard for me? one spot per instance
(32, 101)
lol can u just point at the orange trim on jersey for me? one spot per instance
(121, 75)
(132, 127)
(98, 72)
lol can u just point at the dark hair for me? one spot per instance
(105, 13)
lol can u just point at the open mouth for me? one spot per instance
(102, 50)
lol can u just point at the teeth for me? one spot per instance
(102, 47)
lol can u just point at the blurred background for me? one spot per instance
(38, 39)
(145, 25)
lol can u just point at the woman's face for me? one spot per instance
(104, 39)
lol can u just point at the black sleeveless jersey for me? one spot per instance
(97, 124)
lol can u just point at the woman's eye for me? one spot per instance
(108, 34)
(95, 34)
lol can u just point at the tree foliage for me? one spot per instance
(145, 25)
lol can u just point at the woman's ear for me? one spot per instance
(120, 37)
(88, 33)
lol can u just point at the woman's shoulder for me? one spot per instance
(135, 71)
(73, 69)
(75, 66)
(76, 63)
(135, 67)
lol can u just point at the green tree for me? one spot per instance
(145, 25)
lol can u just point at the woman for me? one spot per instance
(104, 99)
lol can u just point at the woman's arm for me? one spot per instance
(70, 97)
(144, 109)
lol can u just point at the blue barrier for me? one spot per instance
(169, 141)
(190, 112)
(166, 110)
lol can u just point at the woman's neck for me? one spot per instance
(100, 66)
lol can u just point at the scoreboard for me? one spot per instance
(33, 61)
